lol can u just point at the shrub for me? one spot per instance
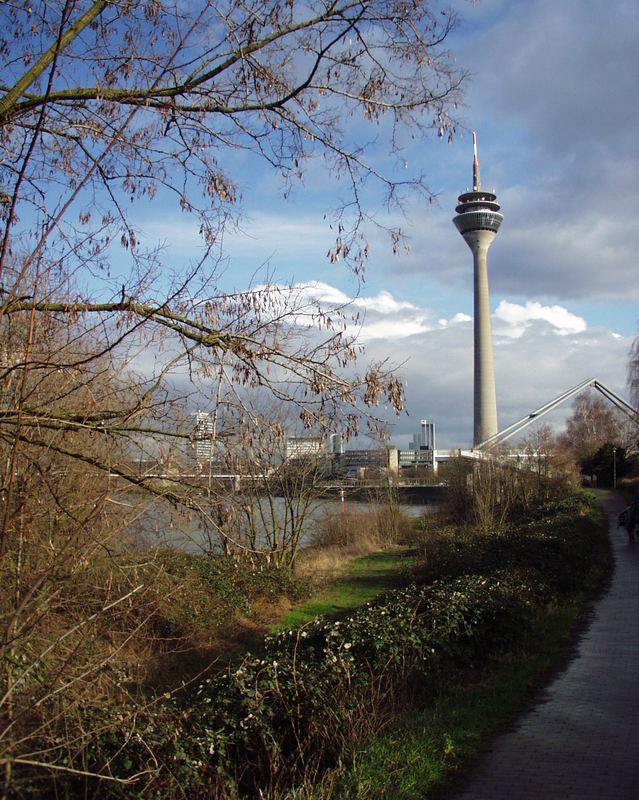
(312, 695)
(362, 531)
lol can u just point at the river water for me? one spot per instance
(157, 526)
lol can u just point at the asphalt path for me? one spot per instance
(581, 740)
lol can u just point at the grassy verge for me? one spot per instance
(206, 611)
(364, 579)
(425, 751)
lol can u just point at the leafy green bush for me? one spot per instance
(239, 585)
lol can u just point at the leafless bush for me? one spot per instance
(491, 492)
(363, 531)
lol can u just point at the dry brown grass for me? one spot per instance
(345, 536)
(321, 563)
(382, 526)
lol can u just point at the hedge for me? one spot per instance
(313, 694)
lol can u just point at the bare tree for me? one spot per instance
(105, 347)
(280, 489)
(550, 461)
(633, 372)
(109, 101)
(105, 103)
(593, 423)
(259, 511)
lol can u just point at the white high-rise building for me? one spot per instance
(425, 439)
(421, 451)
(203, 437)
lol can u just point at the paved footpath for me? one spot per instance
(582, 739)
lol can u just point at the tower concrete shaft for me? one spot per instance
(485, 396)
(478, 220)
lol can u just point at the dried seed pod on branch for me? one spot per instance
(106, 345)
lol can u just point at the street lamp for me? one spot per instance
(614, 467)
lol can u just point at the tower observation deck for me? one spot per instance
(478, 220)
(477, 210)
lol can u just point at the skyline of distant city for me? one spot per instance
(556, 138)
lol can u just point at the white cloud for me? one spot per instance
(513, 319)
(393, 328)
(323, 292)
(460, 318)
(542, 351)
(381, 315)
(384, 303)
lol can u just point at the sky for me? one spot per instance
(553, 98)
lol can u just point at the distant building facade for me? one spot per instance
(335, 443)
(421, 452)
(356, 462)
(303, 447)
(202, 438)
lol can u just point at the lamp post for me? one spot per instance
(614, 467)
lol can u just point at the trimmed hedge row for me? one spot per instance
(313, 694)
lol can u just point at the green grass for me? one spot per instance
(366, 578)
(426, 749)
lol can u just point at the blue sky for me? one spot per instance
(553, 98)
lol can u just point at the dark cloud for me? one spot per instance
(563, 71)
(560, 80)
(553, 96)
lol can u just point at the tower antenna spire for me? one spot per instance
(476, 176)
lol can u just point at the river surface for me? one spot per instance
(157, 526)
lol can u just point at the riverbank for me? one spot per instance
(224, 606)
(288, 720)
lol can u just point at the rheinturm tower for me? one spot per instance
(478, 220)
